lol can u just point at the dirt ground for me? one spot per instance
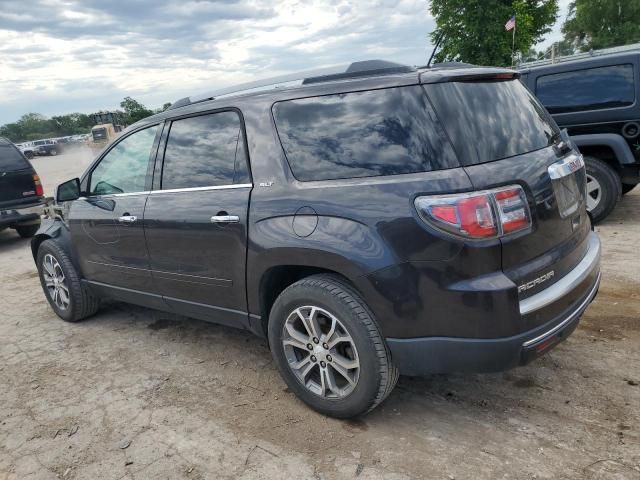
(138, 394)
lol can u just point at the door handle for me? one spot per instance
(225, 219)
(127, 219)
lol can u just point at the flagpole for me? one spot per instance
(513, 44)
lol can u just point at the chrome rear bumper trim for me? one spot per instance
(567, 283)
(585, 303)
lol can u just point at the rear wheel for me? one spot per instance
(603, 188)
(27, 231)
(54, 152)
(69, 298)
(329, 349)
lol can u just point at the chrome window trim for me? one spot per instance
(570, 318)
(174, 190)
(202, 189)
(567, 283)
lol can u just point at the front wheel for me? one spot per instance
(69, 298)
(329, 349)
(53, 153)
(604, 188)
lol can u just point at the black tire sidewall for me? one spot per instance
(611, 188)
(364, 394)
(71, 277)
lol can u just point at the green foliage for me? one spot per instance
(165, 107)
(474, 29)
(134, 110)
(594, 24)
(33, 126)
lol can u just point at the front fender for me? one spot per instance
(53, 228)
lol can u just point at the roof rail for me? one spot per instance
(353, 70)
(580, 56)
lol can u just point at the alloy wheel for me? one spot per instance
(594, 193)
(55, 282)
(321, 352)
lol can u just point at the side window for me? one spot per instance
(205, 151)
(362, 134)
(590, 89)
(124, 168)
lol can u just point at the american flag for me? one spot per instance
(511, 23)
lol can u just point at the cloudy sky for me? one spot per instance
(61, 56)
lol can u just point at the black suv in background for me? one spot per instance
(47, 147)
(21, 194)
(595, 96)
(369, 221)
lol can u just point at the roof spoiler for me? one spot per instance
(473, 74)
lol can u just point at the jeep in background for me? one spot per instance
(369, 221)
(595, 97)
(21, 193)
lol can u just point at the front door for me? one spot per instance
(107, 223)
(196, 220)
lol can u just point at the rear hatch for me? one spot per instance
(17, 186)
(503, 136)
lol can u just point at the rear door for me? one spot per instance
(196, 219)
(16, 177)
(107, 224)
(504, 136)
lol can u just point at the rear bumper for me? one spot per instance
(427, 355)
(21, 215)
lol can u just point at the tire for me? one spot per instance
(27, 231)
(53, 153)
(374, 377)
(626, 188)
(608, 188)
(82, 303)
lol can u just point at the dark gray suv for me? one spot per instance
(22, 199)
(369, 221)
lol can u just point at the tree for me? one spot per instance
(474, 29)
(593, 24)
(134, 110)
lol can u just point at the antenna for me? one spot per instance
(439, 39)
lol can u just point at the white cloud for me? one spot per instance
(60, 56)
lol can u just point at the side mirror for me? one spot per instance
(67, 191)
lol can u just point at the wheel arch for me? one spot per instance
(53, 229)
(610, 148)
(275, 279)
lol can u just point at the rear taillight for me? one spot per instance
(478, 215)
(38, 185)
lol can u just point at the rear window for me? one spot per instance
(362, 134)
(589, 89)
(11, 159)
(488, 121)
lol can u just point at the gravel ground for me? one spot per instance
(138, 394)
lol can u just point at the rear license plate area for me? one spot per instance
(568, 179)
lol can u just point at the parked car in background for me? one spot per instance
(21, 193)
(595, 96)
(369, 221)
(47, 147)
(27, 149)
